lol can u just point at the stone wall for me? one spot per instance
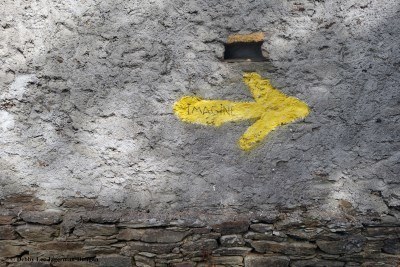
(83, 234)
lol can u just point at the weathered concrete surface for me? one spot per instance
(87, 89)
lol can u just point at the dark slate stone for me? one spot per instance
(7, 232)
(228, 261)
(102, 217)
(153, 235)
(382, 231)
(264, 261)
(392, 246)
(293, 248)
(231, 240)
(163, 236)
(60, 245)
(262, 227)
(152, 247)
(350, 245)
(10, 249)
(317, 263)
(234, 227)
(91, 230)
(200, 245)
(232, 251)
(114, 261)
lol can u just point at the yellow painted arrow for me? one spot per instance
(271, 107)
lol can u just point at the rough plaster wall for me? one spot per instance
(87, 89)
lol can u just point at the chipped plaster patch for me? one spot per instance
(6, 121)
(18, 87)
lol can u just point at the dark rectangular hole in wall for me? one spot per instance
(244, 51)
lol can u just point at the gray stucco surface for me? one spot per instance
(87, 89)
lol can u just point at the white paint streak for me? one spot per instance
(6, 121)
(18, 87)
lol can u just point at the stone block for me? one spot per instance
(184, 264)
(46, 218)
(37, 232)
(152, 235)
(11, 249)
(231, 240)
(382, 231)
(304, 234)
(353, 244)
(138, 224)
(144, 261)
(234, 227)
(264, 261)
(6, 219)
(227, 261)
(64, 249)
(100, 242)
(373, 246)
(92, 230)
(207, 264)
(60, 245)
(103, 217)
(163, 262)
(294, 248)
(392, 246)
(211, 235)
(155, 248)
(353, 264)
(168, 259)
(199, 245)
(114, 261)
(202, 230)
(269, 218)
(101, 250)
(317, 263)
(70, 251)
(152, 255)
(264, 236)
(378, 264)
(262, 227)
(130, 234)
(23, 201)
(232, 251)
(164, 236)
(7, 232)
(86, 203)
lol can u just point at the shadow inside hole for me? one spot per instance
(243, 51)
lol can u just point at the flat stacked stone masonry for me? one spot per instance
(82, 235)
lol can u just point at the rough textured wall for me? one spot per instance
(87, 90)
(94, 164)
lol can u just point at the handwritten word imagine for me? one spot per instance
(213, 110)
